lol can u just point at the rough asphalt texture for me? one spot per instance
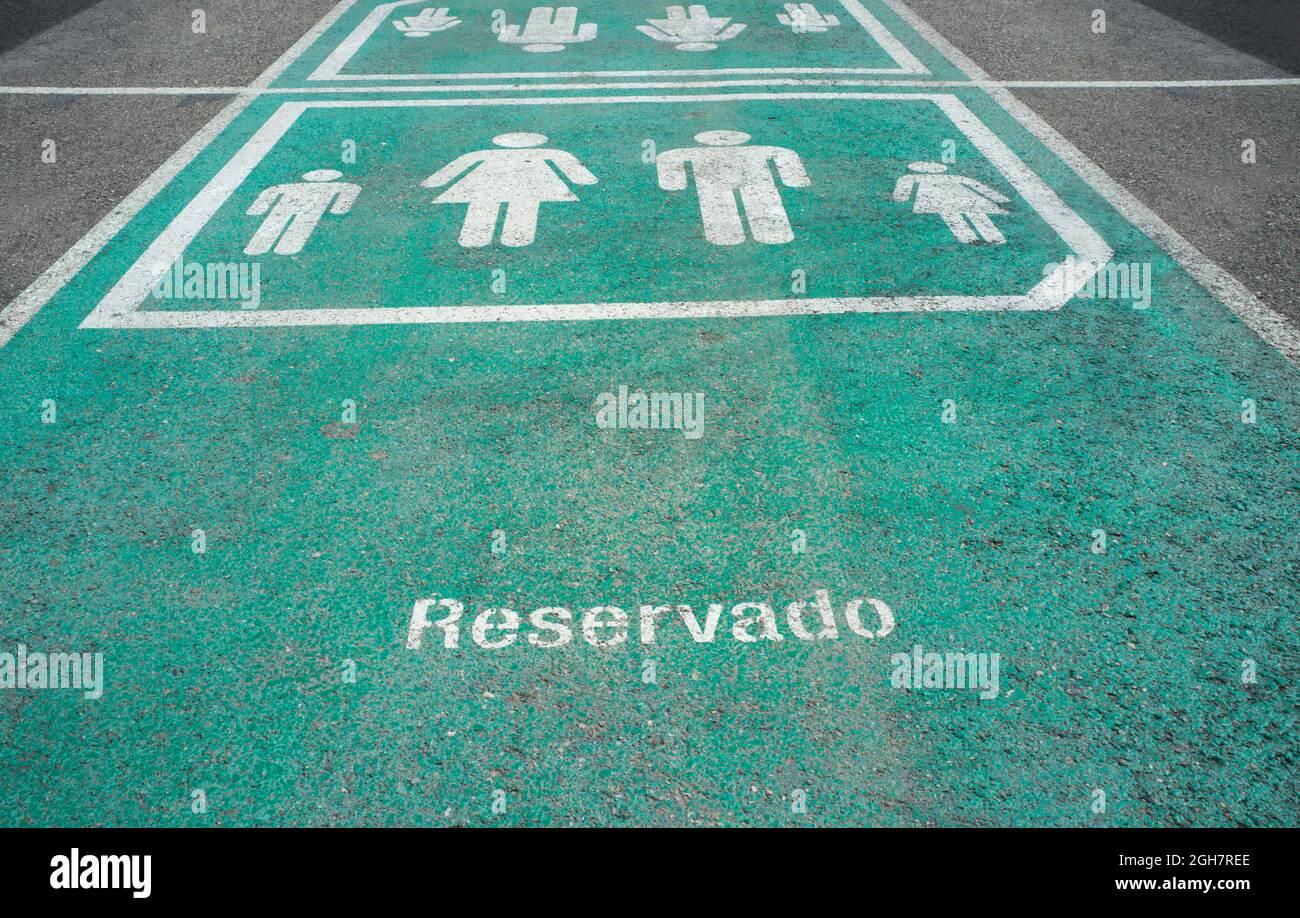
(1126, 665)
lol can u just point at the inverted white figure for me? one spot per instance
(724, 169)
(804, 17)
(548, 29)
(963, 204)
(696, 32)
(295, 208)
(425, 24)
(522, 175)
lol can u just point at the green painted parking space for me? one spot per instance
(613, 207)
(407, 468)
(411, 40)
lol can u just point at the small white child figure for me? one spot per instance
(956, 199)
(521, 176)
(298, 207)
(425, 24)
(724, 168)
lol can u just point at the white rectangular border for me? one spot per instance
(120, 308)
(331, 67)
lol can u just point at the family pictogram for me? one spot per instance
(738, 186)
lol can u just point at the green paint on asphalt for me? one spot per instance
(608, 245)
(628, 38)
(224, 671)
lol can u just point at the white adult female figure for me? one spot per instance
(521, 175)
(955, 199)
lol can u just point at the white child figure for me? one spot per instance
(298, 208)
(521, 176)
(956, 199)
(802, 18)
(723, 168)
(429, 21)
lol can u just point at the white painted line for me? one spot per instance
(667, 84)
(331, 68)
(1078, 235)
(28, 303)
(566, 74)
(339, 57)
(134, 286)
(120, 308)
(901, 80)
(559, 312)
(623, 86)
(904, 58)
(1239, 83)
(1265, 322)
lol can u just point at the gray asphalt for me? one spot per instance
(108, 145)
(1177, 150)
(1053, 39)
(151, 43)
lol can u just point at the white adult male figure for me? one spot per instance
(723, 168)
(295, 208)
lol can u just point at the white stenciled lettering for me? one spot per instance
(609, 626)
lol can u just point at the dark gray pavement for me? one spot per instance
(1179, 152)
(108, 145)
(1053, 39)
(1266, 29)
(151, 43)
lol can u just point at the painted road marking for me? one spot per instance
(697, 32)
(1048, 231)
(517, 87)
(1272, 327)
(965, 205)
(23, 307)
(241, 537)
(426, 22)
(548, 29)
(1279, 333)
(804, 17)
(517, 177)
(736, 184)
(294, 209)
(627, 33)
